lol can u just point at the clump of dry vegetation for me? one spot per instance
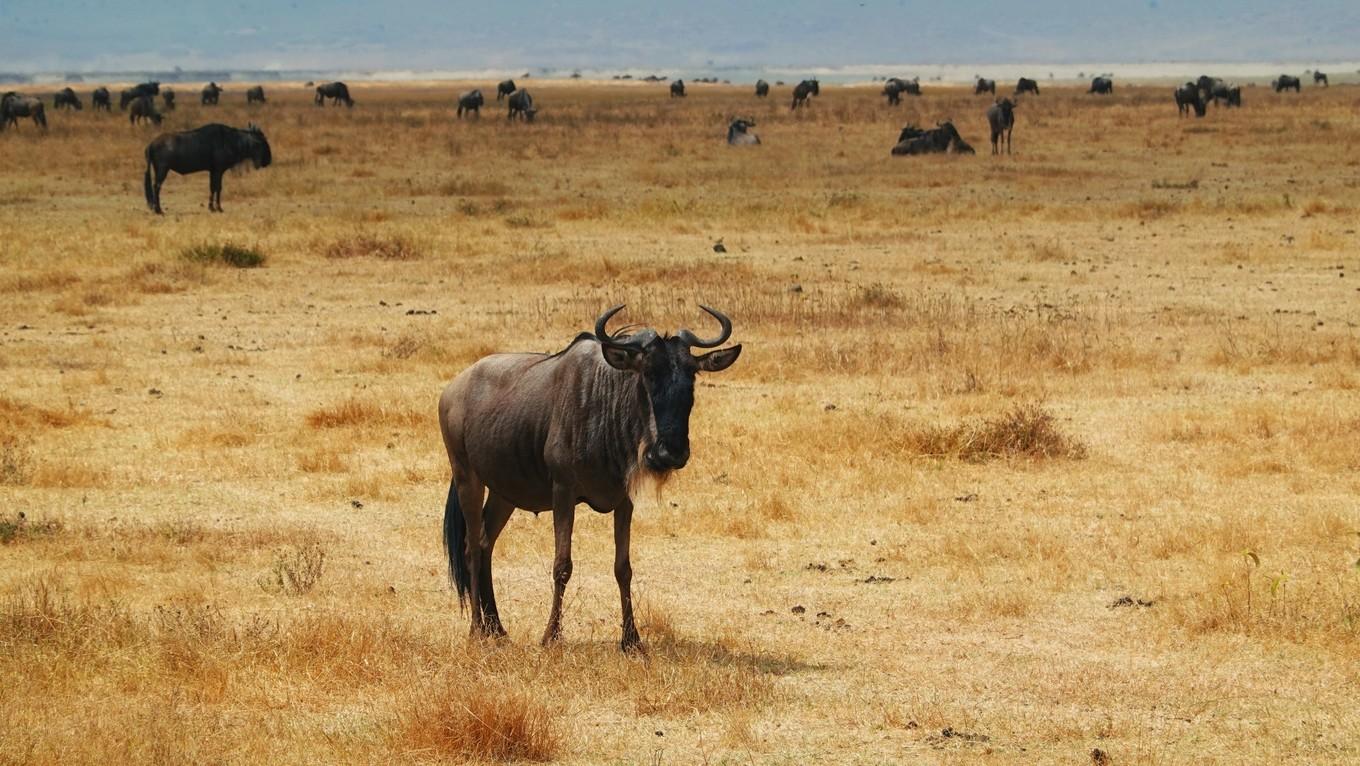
(490, 720)
(224, 254)
(383, 247)
(295, 571)
(1026, 431)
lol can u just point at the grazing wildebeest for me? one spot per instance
(1187, 96)
(1026, 85)
(505, 88)
(522, 105)
(803, 90)
(1102, 85)
(67, 99)
(737, 134)
(144, 108)
(941, 139)
(1285, 82)
(984, 85)
(894, 87)
(100, 99)
(762, 89)
(337, 91)
(214, 148)
(137, 91)
(13, 106)
(678, 89)
(1320, 79)
(211, 93)
(168, 96)
(1230, 95)
(470, 102)
(1001, 117)
(548, 432)
(1206, 84)
(255, 95)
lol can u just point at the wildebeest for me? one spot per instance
(762, 89)
(144, 108)
(1231, 95)
(522, 105)
(803, 90)
(1026, 85)
(1320, 79)
(337, 91)
(738, 135)
(13, 106)
(548, 432)
(211, 93)
(1102, 86)
(168, 96)
(1001, 118)
(1285, 82)
(941, 139)
(470, 102)
(678, 89)
(1206, 84)
(984, 85)
(137, 91)
(505, 88)
(1187, 96)
(894, 87)
(67, 99)
(214, 148)
(255, 95)
(100, 99)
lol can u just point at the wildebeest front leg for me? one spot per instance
(564, 517)
(161, 173)
(623, 574)
(494, 517)
(215, 191)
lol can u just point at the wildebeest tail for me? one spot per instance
(455, 537)
(146, 179)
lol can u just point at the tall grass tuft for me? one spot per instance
(225, 254)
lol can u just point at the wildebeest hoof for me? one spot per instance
(633, 647)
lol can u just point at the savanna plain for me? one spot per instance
(1047, 458)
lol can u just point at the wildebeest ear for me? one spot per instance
(624, 358)
(717, 361)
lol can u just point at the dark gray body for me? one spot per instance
(1286, 82)
(984, 85)
(762, 89)
(678, 89)
(168, 97)
(942, 139)
(1189, 96)
(144, 109)
(521, 105)
(100, 99)
(470, 102)
(1001, 118)
(803, 91)
(1102, 86)
(255, 95)
(212, 93)
(1026, 85)
(338, 92)
(505, 88)
(738, 133)
(1320, 79)
(1229, 95)
(213, 148)
(895, 87)
(67, 99)
(13, 106)
(1206, 85)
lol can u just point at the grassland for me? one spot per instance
(1025, 458)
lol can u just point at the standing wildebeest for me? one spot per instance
(338, 91)
(505, 88)
(1230, 95)
(137, 91)
(522, 105)
(13, 106)
(1285, 82)
(214, 148)
(211, 92)
(1026, 85)
(678, 89)
(1102, 86)
(1206, 84)
(548, 432)
(1001, 117)
(67, 99)
(762, 89)
(941, 139)
(168, 96)
(803, 90)
(737, 134)
(255, 95)
(1320, 79)
(984, 85)
(896, 86)
(470, 102)
(100, 99)
(144, 108)
(1187, 96)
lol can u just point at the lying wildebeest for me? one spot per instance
(470, 102)
(144, 108)
(100, 99)
(1102, 85)
(214, 148)
(1285, 82)
(13, 106)
(1026, 85)
(505, 88)
(1001, 118)
(762, 89)
(1320, 79)
(137, 91)
(337, 91)
(255, 95)
(67, 99)
(678, 89)
(984, 85)
(1187, 96)
(737, 134)
(522, 105)
(803, 90)
(1231, 95)
(548, 432)
(211, 93)
(941, 139)
(168, 96)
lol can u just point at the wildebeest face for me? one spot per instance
(259, 151)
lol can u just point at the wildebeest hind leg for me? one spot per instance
(494, 518)
(161, 173)
(564, 517)
(215, 191)
(623, 574)
(470, 498)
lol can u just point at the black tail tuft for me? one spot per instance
(146, 182)
(455, 536)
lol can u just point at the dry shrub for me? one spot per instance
(17, 416)
(296, 570)
(353, 412)
(482, 720)
(383, 247)
(19, 528)
(225, 254)
(41, 613)
(15, 462)
(1026, 431)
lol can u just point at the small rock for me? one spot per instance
(718, 247)
(799, 609)
(356, 503)
(796, 288)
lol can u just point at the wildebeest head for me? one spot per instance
(257, 145)
(666, 369)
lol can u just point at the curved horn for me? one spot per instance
(600, 332)
(692, 340)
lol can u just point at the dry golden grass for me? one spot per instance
(1026, 457)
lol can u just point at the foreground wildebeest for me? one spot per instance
(522, 105)
(255, 95)
(1102, 85)
(1187, 96)
(737, 134)
(470, 102)
(214, 148)
(100, 99)
(762, 89)
(13, 106)
(984, 85)
(1320, 79)
(1285, 82)
(943, 138)
(168, 96)
(678, 89)
(67, 99)
(1026, 85)
(803, 90)
(548, 432)
(1001, 118)
(505, 88)
(144, 108)
(337, 91)
(211, 93)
